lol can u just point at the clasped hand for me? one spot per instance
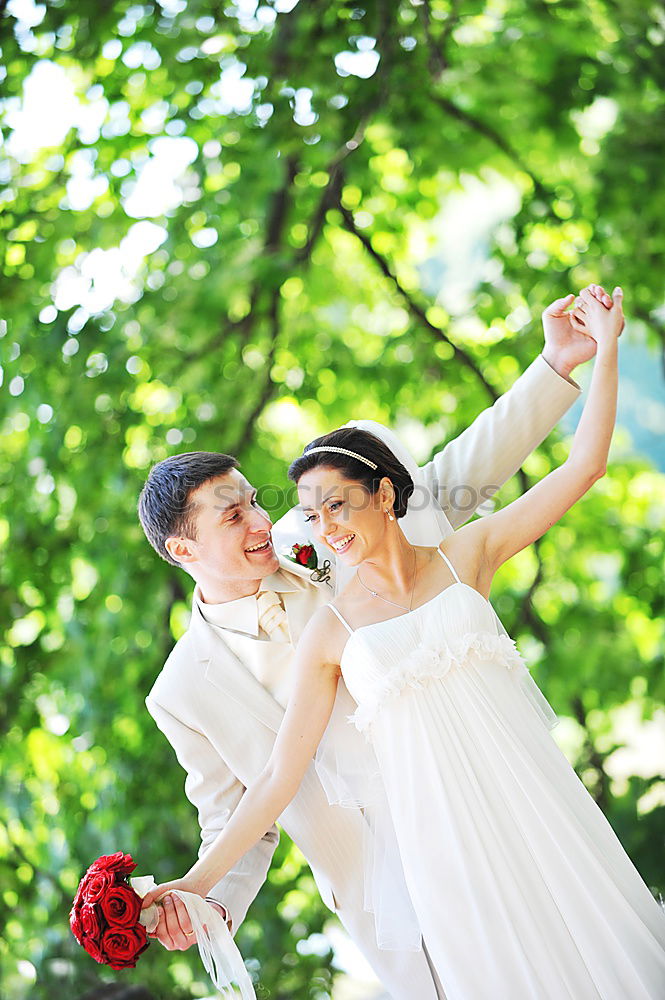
(174, 930)
(597, 315)
(569, 324)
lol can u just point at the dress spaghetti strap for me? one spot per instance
(450, 565)
(343, 620)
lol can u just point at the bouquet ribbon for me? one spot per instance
(219, 954)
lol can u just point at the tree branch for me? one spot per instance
(333, 190)
(269, 387)
(438, 61)
(527, 616)
(274, 230)
(483, 128)
(417, 310)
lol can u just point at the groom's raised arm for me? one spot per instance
(472, 467)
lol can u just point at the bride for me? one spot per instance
(511, 873)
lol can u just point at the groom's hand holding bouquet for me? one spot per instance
(174, 929)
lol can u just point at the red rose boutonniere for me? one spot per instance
(305, 555)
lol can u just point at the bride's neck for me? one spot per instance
(391, 568)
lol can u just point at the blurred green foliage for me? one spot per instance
(294, 286)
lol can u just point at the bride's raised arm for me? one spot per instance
(516, 526)
(307, 714)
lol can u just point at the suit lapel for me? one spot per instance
(227, 673)
(301, 598)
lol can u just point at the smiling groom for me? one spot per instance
(220, 696)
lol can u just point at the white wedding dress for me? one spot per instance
(519, 885)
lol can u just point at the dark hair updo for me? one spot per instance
(367, 445)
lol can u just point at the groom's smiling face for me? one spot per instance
(233, 549)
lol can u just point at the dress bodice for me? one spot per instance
(381, 659)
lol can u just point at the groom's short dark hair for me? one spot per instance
(165, 506)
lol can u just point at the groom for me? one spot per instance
(220, 696)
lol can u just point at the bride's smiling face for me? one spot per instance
(342, 514)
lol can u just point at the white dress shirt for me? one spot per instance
(270, 662)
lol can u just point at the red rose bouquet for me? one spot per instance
(108, 919)
(106, 915)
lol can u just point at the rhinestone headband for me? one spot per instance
(343, 451)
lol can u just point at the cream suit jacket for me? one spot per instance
(222, 723)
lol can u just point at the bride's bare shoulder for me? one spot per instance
(324, 635)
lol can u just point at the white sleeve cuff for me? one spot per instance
(565, 378)
(225, 912)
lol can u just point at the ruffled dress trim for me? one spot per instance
(432, 662)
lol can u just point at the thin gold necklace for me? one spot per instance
(382, 598)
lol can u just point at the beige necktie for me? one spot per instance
(272, 616)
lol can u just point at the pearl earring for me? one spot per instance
(390, 517)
